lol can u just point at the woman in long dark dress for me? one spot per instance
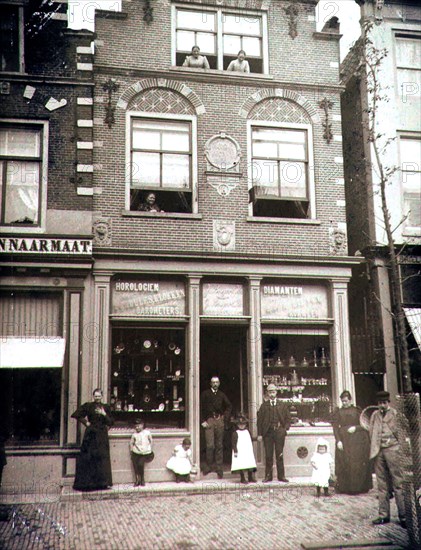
(352, 462)
(93, 465)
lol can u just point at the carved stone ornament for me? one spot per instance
(223, 154)
(223, 235)
(224, 184)
(338, 241)
(292, 13)
(326, 105)
(101, 229)
(111, 87)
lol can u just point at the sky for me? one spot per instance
(81, 16)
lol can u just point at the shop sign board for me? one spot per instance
(148, 298)
(29, 245)
(226, 300)
(294, 301)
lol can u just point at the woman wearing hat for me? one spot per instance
(242, 451)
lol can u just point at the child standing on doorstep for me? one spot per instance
(322, 463)
(242, 451)
(140, 450)
(181, 462)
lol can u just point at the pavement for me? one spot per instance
(207, 514)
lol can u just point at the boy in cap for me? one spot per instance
(385, 449)
(273, 422)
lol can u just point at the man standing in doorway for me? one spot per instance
(273, 421)
(216, 410)
(387, 456)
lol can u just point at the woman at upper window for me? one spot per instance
(240, 65)
(196, 60)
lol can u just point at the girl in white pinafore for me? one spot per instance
(181, 461)
(322, 464)
(242, 451)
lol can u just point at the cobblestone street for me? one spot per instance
(225, 517)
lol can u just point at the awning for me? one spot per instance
(32, 353)
(413, 315)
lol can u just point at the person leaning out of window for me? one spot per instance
(239, 65)
(195, 60)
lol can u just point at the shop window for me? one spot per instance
(220, 35)
(300, 367)
(410, 155)
(162, 164)
(148, 376)
(31, 357)
(10, 47)
(280, 177)
(23, 166)
(408, 54)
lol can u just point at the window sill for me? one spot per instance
(284, 220)
(229, 75)
(171, 215)
(22, 229)
(411, 232)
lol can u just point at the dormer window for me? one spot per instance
(220, 34)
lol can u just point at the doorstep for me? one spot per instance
(209, 485)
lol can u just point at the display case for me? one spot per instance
(300, 367)
(148, 376)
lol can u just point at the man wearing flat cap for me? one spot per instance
(273, 422)
(385, 450)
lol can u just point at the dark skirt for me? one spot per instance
(93, 465)
(352, 465)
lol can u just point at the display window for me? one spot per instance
(147, 376)
(32, 352)
(298, 363)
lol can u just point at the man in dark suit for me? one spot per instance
(273, 421)
(215, 413)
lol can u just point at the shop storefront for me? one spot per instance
(166, 333)
(45, 333)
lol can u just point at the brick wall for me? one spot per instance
(131, 51)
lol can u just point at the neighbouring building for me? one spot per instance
(220, 243)
(45, 238)
(397, 28)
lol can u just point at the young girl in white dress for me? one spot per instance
(322, 463)
(242, 451)
(181, 461)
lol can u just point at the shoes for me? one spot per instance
(283, 479)
(380, 521)
(136, 483)
(244, 482)
(267, 479)
(402, 523)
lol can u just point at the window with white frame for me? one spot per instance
(162, 164)
(23, 166)
(280, 175)
(221, 34)
(408, 55)
(410, 156)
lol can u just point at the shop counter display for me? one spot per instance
(148, 376)
(300, 368)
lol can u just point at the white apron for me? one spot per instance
(245, 457)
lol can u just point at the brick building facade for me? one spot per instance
(45, 240)
(242, 269)
(396, 29)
